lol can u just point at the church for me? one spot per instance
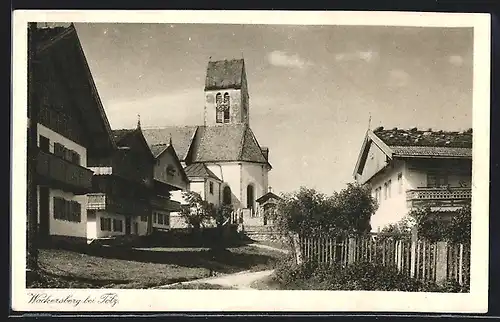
(222, 158)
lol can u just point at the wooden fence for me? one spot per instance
(430, 261)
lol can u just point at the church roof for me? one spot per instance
(217, 143)
(200, 170)
(182, 136)
(224, 74)
(268, 196)
(234, 142)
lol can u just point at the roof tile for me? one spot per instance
(224, 74)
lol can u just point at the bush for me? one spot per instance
(358, 276)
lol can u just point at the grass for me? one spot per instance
(125, 267)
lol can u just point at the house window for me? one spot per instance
(67, 210)
(160, 218)
(400, 183)
(385, 191)
(154, 217)
(211, 187)
(170, 170)
(166, 219)
(117, 225)
(144, 218)
(389, 188)
(436, 180)
(105, 224)
(44, 144)
(377, 194)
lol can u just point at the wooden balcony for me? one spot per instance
(438, 197)
(65, 175)
(117, 204)
(159, 202)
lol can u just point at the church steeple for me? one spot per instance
(226, 93)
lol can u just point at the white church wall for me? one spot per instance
(254, 174)
(230, 174)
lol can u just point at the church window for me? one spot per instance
(250, 196)
(226, 195)
(219, 108)
(226, 108)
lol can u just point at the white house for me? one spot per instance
(415, 168)
(72, 127)
(225, 144)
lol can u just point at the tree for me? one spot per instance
(308, 211)
(432, 226)
(197, 211)
(356, 207)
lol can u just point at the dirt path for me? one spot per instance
(241, 280)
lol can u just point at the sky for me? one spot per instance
(313, 89)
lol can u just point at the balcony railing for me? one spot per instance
(163, 203)
(121, 205)
(63, 174)
(448, 196)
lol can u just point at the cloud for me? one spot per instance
(456, 60)
(398, 78)
(283, 59)
(366, 56)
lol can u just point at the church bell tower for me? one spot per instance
(226, 93)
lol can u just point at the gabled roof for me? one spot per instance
(268, 196)
(217, 143)
(120, 135)
(61, 43)
(182, 137)
(200, 170)
(224, 74)
(229, 142)
(414, 143)
(122, 138)
(159, 149)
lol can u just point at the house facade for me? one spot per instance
(225, 144)
(409, 169)
(71, 127)
(169, 178)
(122, 188)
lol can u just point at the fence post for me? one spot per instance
(441, 261)
(298, 250)
(351, 250)
(413, 255)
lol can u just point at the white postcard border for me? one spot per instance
(214, 300)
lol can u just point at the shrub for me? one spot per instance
(358, 276)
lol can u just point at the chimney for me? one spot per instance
(265, 152)
(270, 189)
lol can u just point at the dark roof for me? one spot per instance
(268, 196)
(429, 138)
(228, 142)
(200, 170)
(46, 33)
(234, 142)
(182, 137)
(415, 142)
(53, 40)
(157, 149)
(120, 135)
(224, 74)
